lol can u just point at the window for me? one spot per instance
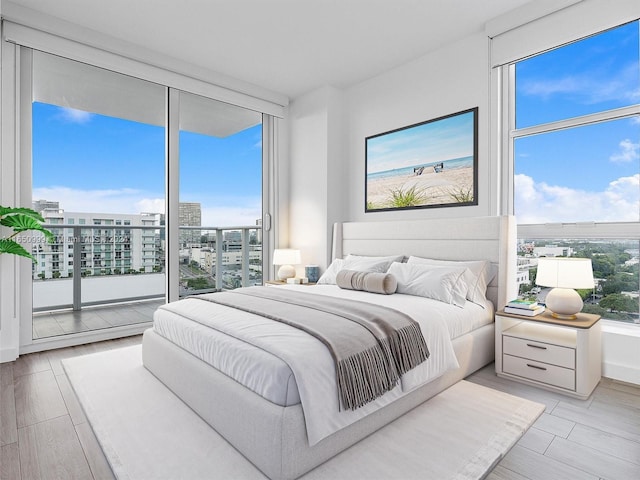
(574, 144)
(220, 186)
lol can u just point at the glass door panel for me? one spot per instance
(220, 195)
(98, 169)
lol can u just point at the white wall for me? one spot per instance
(9, 194)
(327, 128)
(621, 351)
(446, 81)
(317, 181)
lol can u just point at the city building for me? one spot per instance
(108, 243)
(522, 276)
(41, 205)
(552, 250)
(190, 215)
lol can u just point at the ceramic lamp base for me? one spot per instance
(286, 271)
(564, 303)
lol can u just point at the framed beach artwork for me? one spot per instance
(426, 165)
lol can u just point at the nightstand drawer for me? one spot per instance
(540, 351)
(540, 372)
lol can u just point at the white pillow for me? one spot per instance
(446, 284)
(329, 276)
(363, 263)
(359, 263)
(480, 275)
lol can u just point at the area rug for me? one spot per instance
(147, 433)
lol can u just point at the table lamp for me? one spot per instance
(564, 275)
(286, 258)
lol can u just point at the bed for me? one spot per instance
(253, 400)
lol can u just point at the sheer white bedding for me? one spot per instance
(240, 344)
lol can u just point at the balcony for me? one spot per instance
(63, 322)
(92, 295)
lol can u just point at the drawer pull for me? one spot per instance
(535, 366)
(536, 346)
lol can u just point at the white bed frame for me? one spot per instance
(273, 437)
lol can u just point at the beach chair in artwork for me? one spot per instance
(438, 167)
(418, 170)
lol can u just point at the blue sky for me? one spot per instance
(95, 163)
(431, 142)
(587, 173)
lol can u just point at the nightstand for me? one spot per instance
(564, 356)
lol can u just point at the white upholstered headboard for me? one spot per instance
(474, 238)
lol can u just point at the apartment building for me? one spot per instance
(102, 243)
(190, 215)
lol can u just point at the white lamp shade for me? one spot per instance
(565, 272)
(286, 256)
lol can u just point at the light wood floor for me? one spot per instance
(63, 322)
(45, 435)
(597, 438)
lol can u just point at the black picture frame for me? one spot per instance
(430, 164)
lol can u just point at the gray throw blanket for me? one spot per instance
(372, 346)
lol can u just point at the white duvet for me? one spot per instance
(282, 349)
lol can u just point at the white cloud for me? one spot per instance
(539, 202)
(150, 205)
(72, 115)
(546, 88)
(227, 212)
(592, 87)
(123, 200)
(629, 152)
(231, 216)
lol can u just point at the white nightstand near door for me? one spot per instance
(560, 355)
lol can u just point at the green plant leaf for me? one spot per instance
(20, 210)
(14, 248)
(412, 196)
(21, 223)
(462, 193)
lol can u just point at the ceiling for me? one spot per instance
(288, 46)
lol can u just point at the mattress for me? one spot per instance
(271, 377)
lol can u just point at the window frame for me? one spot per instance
(577, 230)
(504, 82)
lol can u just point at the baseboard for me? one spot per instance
(620, 347)
(81, 338)
(624, 373)
(8, 355)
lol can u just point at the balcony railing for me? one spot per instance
(138, 272)
(218, 267)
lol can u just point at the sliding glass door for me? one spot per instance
(220, 195)
(98, 170)
(152, 193)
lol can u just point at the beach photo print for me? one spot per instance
(426, 165)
